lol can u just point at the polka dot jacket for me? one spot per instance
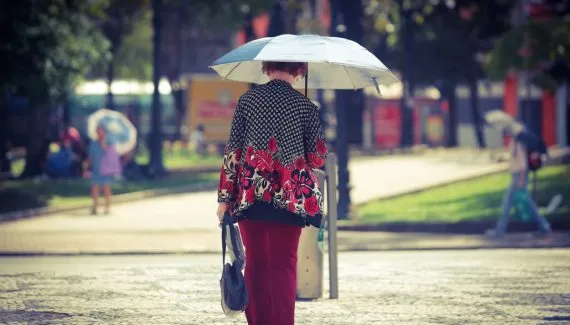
(275, 142)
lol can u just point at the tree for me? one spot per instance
(433, 26)
(540, 47)
(46, 47)
(121, 18)
(155, 143)
(171, 18)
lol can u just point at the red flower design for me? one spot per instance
(250, 195)
(311, 206)
(229, 186)
(238, 154)
(300, 163)
(248, 174)
(272, 145)
(321, 147)
(249, 154)
(267, 196)
(262, 160)
(301, 184)
(291, 207)
(315, 161)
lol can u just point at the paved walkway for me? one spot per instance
(188, 220)
(411, 288)
(187, 223)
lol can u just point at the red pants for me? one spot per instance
(270, 271)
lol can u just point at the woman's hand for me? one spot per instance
(222, 209)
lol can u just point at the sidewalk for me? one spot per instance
(503, 287)
(105, 242)
(186, 222)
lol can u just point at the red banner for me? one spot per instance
(387, 124)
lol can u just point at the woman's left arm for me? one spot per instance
(315, 144)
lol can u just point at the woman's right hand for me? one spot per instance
(222, 209)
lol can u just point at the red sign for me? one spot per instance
(387, 124)
(215, 109)
(428, 122)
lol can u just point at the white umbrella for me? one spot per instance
(120, 131)
(333, 63)
(499, 119)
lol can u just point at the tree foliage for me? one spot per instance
(46, 47)
(126, 25)
(537, 47)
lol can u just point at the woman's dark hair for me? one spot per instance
(291, 68)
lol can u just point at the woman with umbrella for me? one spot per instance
(275, 143)
(112, 135)
(104, 167)
(526, 150)
(267, 182)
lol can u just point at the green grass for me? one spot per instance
(472, 200)
(174, 158)
(26, 194)
(178, 159)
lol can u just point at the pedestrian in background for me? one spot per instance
(267, 183)
(519, 169)
(104, 167)
(197, 140)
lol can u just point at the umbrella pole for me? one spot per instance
(306, 80)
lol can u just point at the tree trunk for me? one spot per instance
(407, 123)
(449, 94)
(5, 165)
(174, 79)
(178, 99)
(352, 12)
(156, 162)
(37, 149)
(110, 79)
(342, 100)
(476, 114)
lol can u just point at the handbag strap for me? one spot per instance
(224, 233)
(227, 222)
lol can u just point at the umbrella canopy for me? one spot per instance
(333, 62)
(120, 131)
(499, 119)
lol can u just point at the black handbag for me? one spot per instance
(232, 282)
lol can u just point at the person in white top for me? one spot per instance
(519, 170)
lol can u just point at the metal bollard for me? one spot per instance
(310, 257)
(310, 260)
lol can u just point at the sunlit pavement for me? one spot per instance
(187, 222)
(435, 287)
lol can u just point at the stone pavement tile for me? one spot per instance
(443, 287)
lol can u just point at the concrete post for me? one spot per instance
(310, 257)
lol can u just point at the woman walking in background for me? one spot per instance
(104, 167)
(267, 184)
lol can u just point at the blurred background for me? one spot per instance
(457, 60)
